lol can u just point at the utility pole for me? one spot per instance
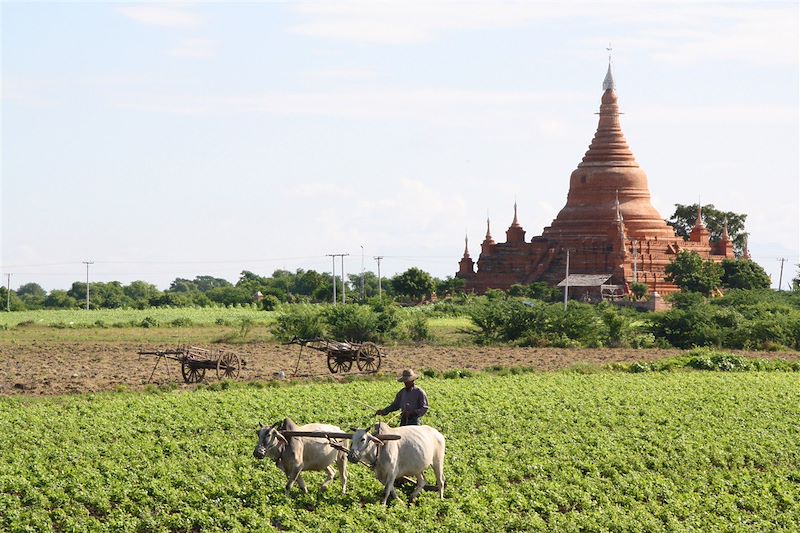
(87, 263)
(333, 274)
(635, 245)
(780, 279)
(363, 290)
(8, 292)
(566, 283)
(378, 259)
(344, 287)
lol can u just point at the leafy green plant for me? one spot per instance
(302, 321)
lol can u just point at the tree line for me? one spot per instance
(283, 286)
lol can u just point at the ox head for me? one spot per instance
(364, 446)
(270, 442)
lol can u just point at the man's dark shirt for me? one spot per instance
(412, 402)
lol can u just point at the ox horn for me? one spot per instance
(375, 439)
(280, 437)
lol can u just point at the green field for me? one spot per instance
(78, 318)
(168, 325)
(560, 451)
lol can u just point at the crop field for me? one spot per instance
(158, 316)
(536, 451)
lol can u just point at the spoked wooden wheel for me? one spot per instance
(192, 374)
(228, 365)
(369, 358)
(339, 363)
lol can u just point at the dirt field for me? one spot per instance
(48, 368)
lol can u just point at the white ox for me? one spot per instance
(418, 448)
(295, 455)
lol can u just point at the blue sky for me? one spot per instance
(173, 140)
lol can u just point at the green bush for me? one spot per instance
(388, 320)
(418, 329)
(149, 322)
(352, 322)
(303, 321)
(270, 302)
(182, 322)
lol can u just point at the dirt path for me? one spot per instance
(47, 368)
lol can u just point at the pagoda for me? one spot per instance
(608, 227)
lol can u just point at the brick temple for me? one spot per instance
(608, 224)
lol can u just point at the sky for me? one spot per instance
(165, 140)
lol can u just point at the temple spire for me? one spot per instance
(616, 207)
(488, 230)
(608, 82)
(609, 147)
(466, 247)
(698, 222)
(725, 235)
(515, 222)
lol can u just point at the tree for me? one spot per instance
(639, 290)
(206, 283)
(14, 302)
(60, 300)
(449, 286)
(414, 283)
(32, 295)
(141, 293)
(684, 217)
(689, 272)
(744, 274)
(183, 285)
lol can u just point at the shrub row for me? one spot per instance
(377, 321)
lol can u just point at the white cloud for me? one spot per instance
(196, 48)
(684, 32)
(426, 104)
(342, 74)
(167, 16)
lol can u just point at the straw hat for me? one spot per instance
(408, 375)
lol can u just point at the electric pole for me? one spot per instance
(344, 287)
(333, 274)
(8, 292)
(566, 283)
(87, 263)
(378, 259)
(363, 290)
(780, 279)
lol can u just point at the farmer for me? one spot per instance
(411, 401)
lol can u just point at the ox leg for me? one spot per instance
(438, 470)
(295, 477)
(301, 483)
(420, 486)
(389, 489)
(341, 464)
(331, 474)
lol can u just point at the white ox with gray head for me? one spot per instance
(294, 455)
(418, 448)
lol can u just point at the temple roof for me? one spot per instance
(609, 147)
(515, 222)
(488, 239)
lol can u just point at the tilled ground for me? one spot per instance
(48, 368)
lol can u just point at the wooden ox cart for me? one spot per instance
(195, 361)
(340, 356)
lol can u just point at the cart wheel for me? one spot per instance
(369, 358)
(339, 363)
(192, 374)
(228, 366)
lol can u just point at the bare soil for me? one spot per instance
(51, 368)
